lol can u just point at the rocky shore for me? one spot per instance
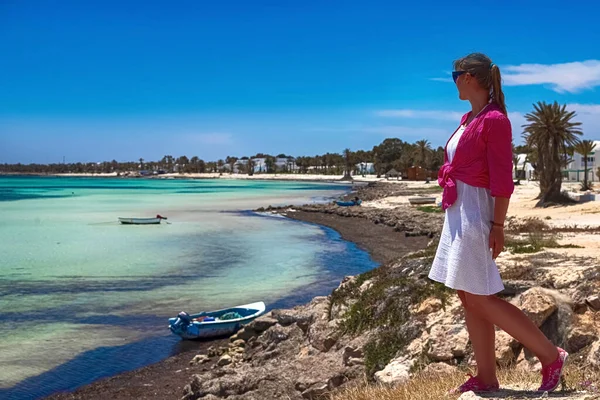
(392, 325)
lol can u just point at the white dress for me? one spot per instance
(463, 260)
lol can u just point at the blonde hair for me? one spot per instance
(487, 74)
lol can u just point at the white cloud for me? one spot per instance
(447, 80)
(421, 114)
(586, 109)
(567, 77)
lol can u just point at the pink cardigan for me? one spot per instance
(483, 157)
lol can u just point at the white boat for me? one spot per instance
(215, 323)
(141, 221)
(421, 200)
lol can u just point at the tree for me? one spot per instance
(386, 154)
(348, 161)
(550, 130)
(423, 150)
(141, 163)
(231, 162)
(584, 148)
(270, 164)
(515, 160)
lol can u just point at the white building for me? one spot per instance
(575, 170)
(365, 168)
(523, 173)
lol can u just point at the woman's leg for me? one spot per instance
(483, 338)
(514, 322)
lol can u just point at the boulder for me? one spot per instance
(200, 359)
(446, 342)
(224, 360)
(594, 355)
(352, 353)
(506, 349)
(316, 391)
(593, 302)
(396, 372)
(580, 336)
(261, 324)
(429, 306)
(321, 338)
(537, 303)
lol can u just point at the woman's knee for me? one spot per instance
(476, 302)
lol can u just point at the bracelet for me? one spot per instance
(497, 224)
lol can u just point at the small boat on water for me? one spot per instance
(421, 200)
(349, 203)
(141, 221)
(215, 323)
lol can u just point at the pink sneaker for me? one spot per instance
(475, 385)
(551, 373)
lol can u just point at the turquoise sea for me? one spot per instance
(83, 297)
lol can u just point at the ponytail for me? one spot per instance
(497, 95)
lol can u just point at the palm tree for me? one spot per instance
(423, 150)
(550, 130)
(348, 160)
(584, 148)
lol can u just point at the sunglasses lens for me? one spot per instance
(456, 74)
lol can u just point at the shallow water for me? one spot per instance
(82, 297)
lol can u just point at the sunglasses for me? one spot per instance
(456, 74)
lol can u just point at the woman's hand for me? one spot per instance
(496, 240)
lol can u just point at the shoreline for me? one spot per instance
(166, 379)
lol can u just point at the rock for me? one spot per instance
(537, 304)
(506, 347)
(460, 341)
(238, 343)
(469, 396)
(261, 324)
(579, 337)
(246, 334)
(446, 342)
(316, 391)
(289, 317)
(526, 361)
(594, 355)
(355, 361)
(429, 306)
(233, 337)
(336, 381)
(224, 360)
(352, 353)
(199, 359)
(439, 369)
(366, 285)
(321, 338)
(212, 352)
(593, 302)
(396, 372)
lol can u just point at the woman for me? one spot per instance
(477, 182)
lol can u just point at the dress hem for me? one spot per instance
(455, 287)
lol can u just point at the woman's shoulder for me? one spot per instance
(495, 114)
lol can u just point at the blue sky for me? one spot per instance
(97, 80)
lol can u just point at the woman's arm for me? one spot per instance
(497, 232)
